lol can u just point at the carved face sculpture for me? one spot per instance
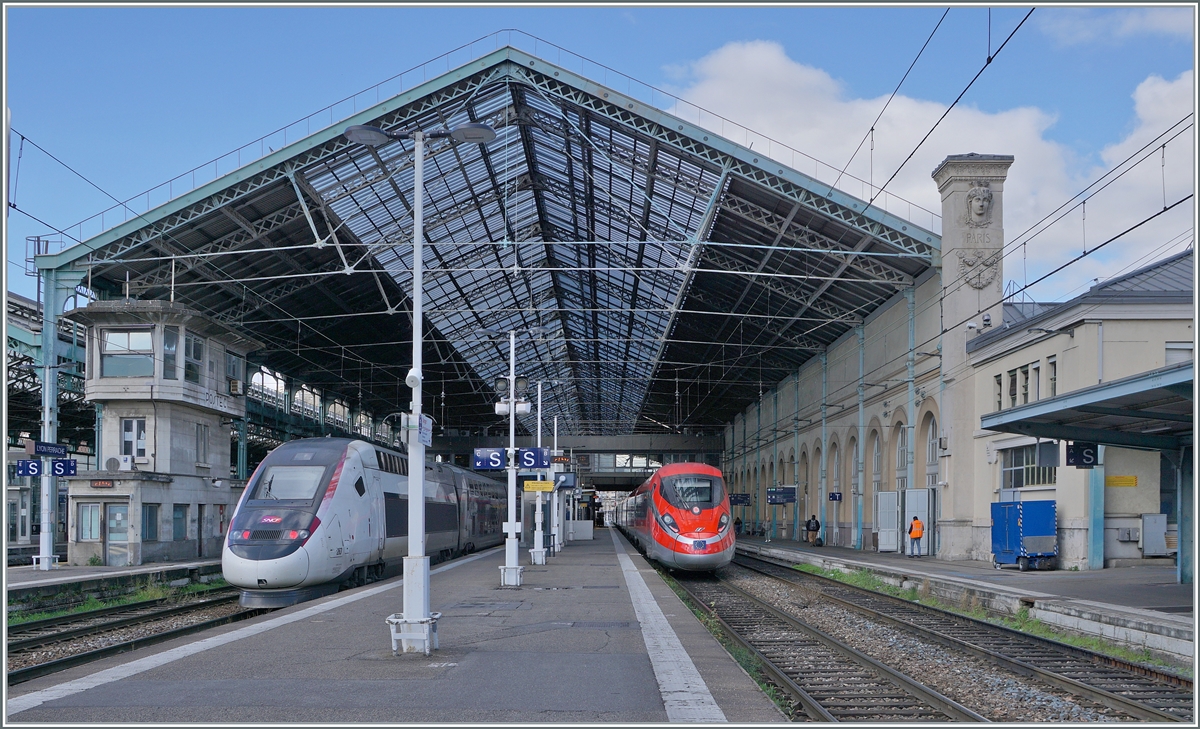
(979, 204)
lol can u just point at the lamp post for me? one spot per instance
(416, 630)
(510, 572)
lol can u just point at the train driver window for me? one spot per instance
(685, 491)
(289, 483)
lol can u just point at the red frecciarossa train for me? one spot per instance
(680, 517)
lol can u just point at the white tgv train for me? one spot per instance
(322, 513)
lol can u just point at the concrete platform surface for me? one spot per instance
(1139, 606)
(1145, 588)
(593, 636)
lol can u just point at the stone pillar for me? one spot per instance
(972, 275)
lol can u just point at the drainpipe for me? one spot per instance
(858, 444)
(824, 448)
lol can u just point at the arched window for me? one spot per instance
(931, 454)
(901, 457)
(876, 464)
(338, 414)
(306, 402)
(836, 460)
(267, 387)
(855, 486)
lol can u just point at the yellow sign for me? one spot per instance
(1113, 481)
(539, 485)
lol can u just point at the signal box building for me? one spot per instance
(168, 384)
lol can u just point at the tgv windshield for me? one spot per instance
(281, 483)
(687, 491)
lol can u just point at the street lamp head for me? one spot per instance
(473, 132)
(501, 385)
(367, 136)
(522, 384)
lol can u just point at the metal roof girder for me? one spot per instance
(804, 298)
(268, 169)
(677, 132)
(867, 265)
(766, 325)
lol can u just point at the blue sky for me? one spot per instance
(134, 96)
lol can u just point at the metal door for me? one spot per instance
(916, 503)
(887, 520)
(116, 535)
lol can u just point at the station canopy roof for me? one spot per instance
(672, 264)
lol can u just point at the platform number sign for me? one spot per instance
(64, 466)
(29, 467)
(1082, 455)
(489, 459)
(533, 457)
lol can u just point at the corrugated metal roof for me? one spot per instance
(1172, 274)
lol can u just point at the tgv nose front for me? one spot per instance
(288, 571)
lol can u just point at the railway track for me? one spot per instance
(831, 681)
(46, 646)
(1137, 690)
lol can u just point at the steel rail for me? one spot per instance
(1071, 685)
(14, 630)
(815, 711)
(946, 705)
(42, 669)
(36, 641)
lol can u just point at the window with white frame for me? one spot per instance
(931, 455)
(1035, 376)
(1019, 468)
(201, 443)
(170, 353)
(1052, 375)
(268, 387)
(901, 458)
(837, 470)
(89, 522)
(855, 477)
(876, 465)
(1025, 384)
(126, 353)
(193, 358)
(133, 437)
(999, 392)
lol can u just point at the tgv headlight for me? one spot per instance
(723, 523)
(668, 521)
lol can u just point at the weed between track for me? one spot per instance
(1021, 621)
(149, 591)
(747, 660)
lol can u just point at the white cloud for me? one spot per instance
(757, 86)
(1072, 26)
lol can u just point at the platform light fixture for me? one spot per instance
(417, 627)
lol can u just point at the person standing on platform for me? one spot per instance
(737, 525)
(812, 526)
(915, 531)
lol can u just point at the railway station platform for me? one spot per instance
(27, 583)
(594, 635)
(1143, 607)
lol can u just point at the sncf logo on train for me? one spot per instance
(271, 520)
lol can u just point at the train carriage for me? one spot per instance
(680, 517)
(322, 513)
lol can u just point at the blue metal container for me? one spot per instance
(1025, 533)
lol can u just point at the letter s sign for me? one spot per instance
(496, 459)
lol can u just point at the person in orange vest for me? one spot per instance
(915, 531)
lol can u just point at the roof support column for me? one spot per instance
(858, 444)
(1096, 513)
(824, 447)
(58, 285)
(910, 366)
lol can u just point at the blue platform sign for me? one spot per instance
(739, 499)
(48, 449)
(64, 467)
(489, 459)
(835, 495)
(29, 467)
(533, 458)
(781, 495)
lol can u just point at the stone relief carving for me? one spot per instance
(979, 205)
(977, 267)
